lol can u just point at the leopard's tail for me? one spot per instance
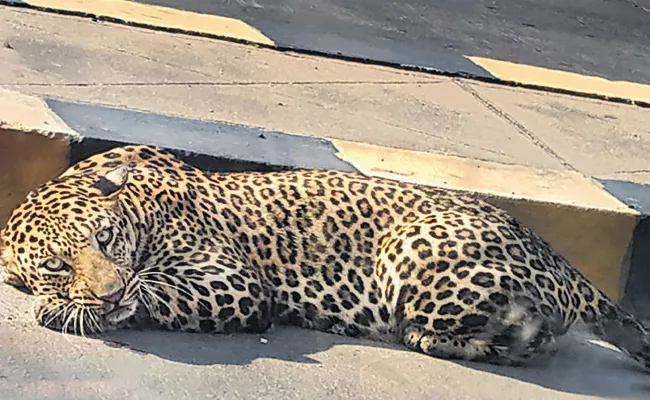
(611, 323)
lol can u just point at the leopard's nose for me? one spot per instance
(113, 297)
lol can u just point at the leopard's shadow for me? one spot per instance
(281, 343)
(579, 368)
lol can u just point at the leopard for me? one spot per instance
(134, 236)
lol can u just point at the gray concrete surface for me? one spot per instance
(592, 37)
(294, 364)
(77, 59)
(211, 139)
(602, 139)
(205, 79)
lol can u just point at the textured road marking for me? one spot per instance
(570, 81)
(157, 16)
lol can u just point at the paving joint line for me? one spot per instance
(202, 83)
(520, 127)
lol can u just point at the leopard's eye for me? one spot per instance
(104, 236)
(55, 265)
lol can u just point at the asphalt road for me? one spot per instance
(607, 38)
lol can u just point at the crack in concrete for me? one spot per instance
(167, 64)
(634, 171)
(512, 121)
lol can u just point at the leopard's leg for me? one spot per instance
(208, 289)
(515, 340)
(448, 304)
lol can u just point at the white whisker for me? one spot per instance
(152, 293)
(93, 318)
(149, 270)
(67, 322)
(180, 289)
(143, 298)
(56, 315)
(81, 322)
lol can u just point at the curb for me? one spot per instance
(443, 63)
(569, 210)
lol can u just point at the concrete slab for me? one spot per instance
(41, 48)
(561, 188)
(210, 80)
(408, 36)
(597, 138)
(424, 117)
(30, 114)
(106, 126)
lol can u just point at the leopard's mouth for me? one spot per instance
(121, 312)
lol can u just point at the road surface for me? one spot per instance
(607, 38)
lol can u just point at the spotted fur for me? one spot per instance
(134, 236)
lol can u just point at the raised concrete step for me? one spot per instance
(600, 228)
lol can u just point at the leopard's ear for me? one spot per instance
(111, 183)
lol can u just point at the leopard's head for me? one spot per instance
(72, 244)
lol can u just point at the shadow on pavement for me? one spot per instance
(581, 367)
(286, 344)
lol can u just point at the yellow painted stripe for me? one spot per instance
(160, 16)
(537, 76)
(512, 181)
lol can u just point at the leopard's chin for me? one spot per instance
(121, 313)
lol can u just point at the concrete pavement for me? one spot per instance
(108, 82)
(609, 39)
(595, 49)
(292, 364)
(73, 58)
